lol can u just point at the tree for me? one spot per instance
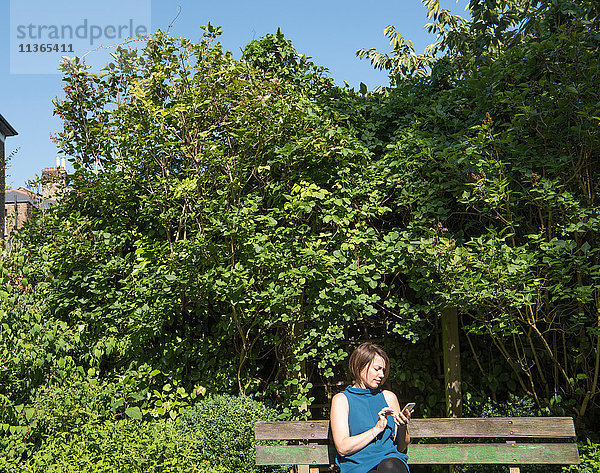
(491, 171)
(225, 240)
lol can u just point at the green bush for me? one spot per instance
(513, 406)
(78, 427)
(589, 452)
(126, 445)
(222, 427)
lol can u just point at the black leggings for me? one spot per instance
(390, 465)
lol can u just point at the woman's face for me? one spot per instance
(372, 375)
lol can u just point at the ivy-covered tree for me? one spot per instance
(217, 226)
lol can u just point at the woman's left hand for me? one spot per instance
(401, 418)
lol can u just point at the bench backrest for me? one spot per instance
(518, 440)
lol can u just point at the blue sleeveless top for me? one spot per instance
(363, 406)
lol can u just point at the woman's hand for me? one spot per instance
(402, 437)
(399, 418)
(403, 418)
(382, 419)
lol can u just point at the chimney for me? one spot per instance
(53, 179)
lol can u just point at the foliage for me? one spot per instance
(240, 225)
(81, 425)
(489, 166)
(222, 427)
(33, 348)
(276, 54)
(515, 407)
(589, 452)
(124, 445)
(245, 238)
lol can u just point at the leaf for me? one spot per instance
(29, 413)
(134, 413)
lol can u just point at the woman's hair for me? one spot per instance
(363, 356)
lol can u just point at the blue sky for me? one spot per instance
(328, 31)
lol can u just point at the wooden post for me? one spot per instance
(451, 349)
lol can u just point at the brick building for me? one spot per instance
(19, 204)
(5, 131)
(18, 207)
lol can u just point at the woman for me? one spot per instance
(369, 430)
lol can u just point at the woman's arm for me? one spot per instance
(344, 443)
(401, 419)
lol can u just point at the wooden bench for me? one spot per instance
(515, 441)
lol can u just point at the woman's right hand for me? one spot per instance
(382, 420)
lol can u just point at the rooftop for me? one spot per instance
(23, 195)
(5, 128)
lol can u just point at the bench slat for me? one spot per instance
(492, 427)
(292, 430)
(295, 455)
(482, 453)
(431, 454)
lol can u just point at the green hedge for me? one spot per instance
(589, 452)
(222, 429)
(75, 427)
(126, 445)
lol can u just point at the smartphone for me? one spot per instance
(410, 406)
